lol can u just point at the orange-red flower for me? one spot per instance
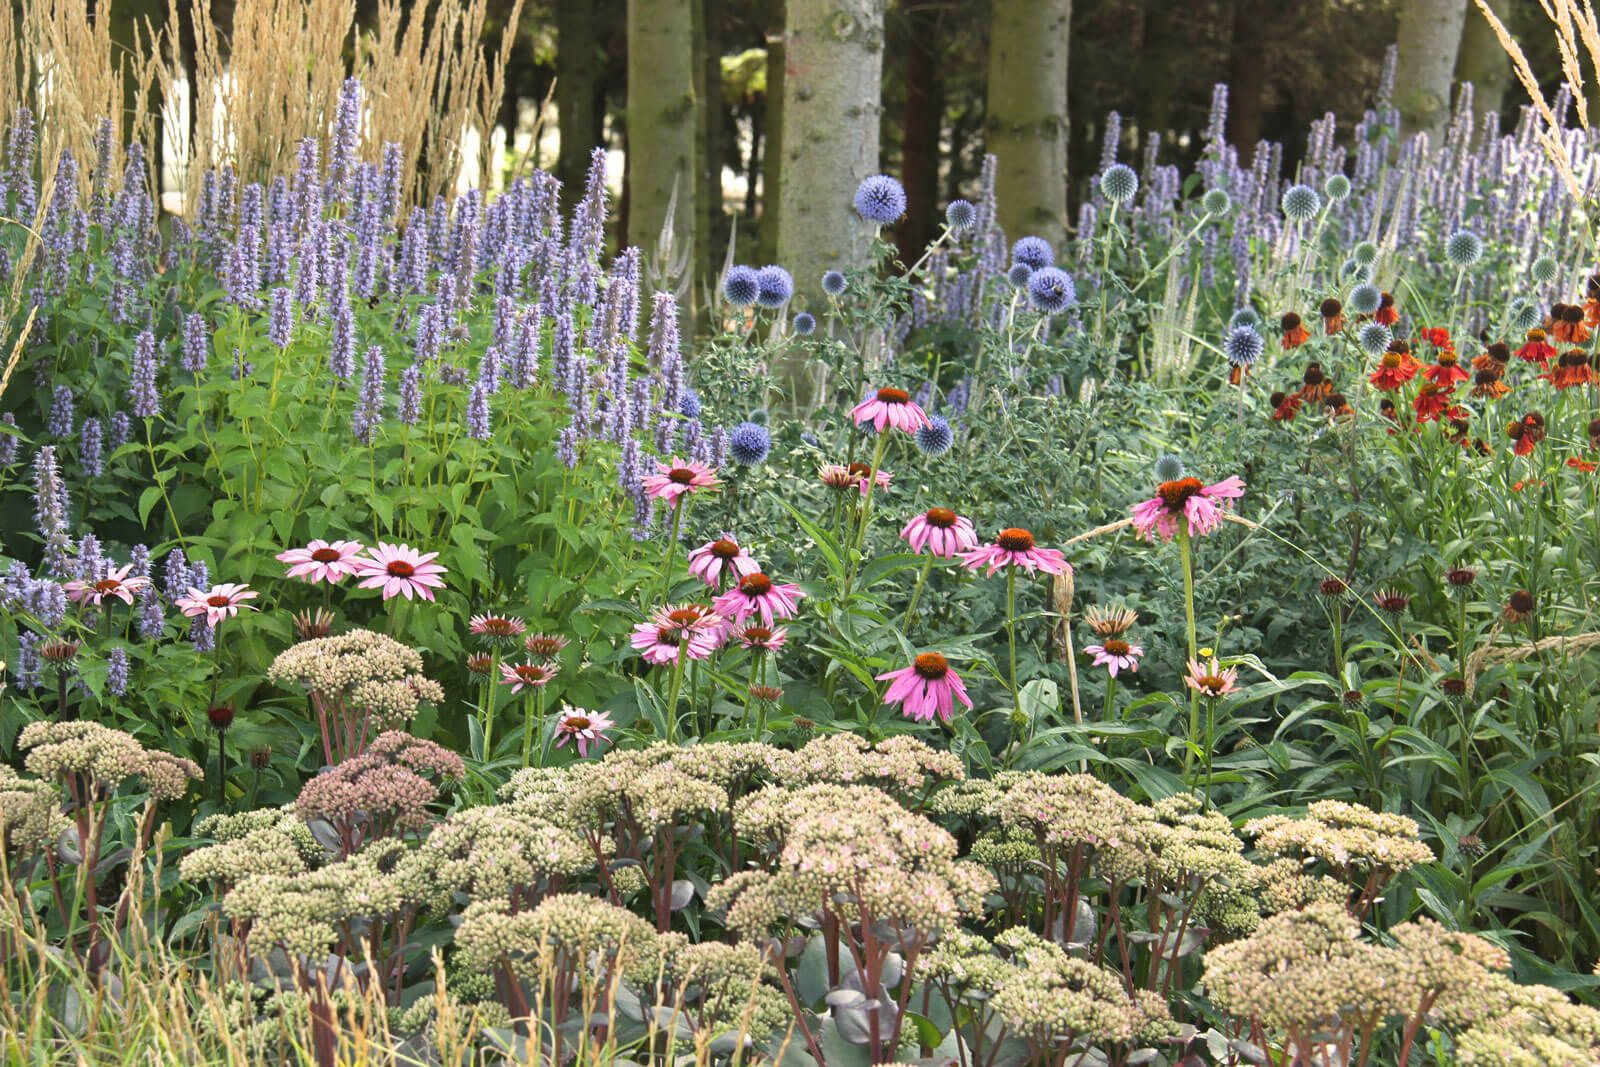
(1494, 359)
(1447, 371)
(1285, 406)
(1536, 349)
(1438, 337)
(1526, 432)
(1566, 324)
(1580, 464)
(1572, 368)
(1315, 385)
(1332, 316)
(1295, 333)
(1387, 313)
(1486, 385)
(1432, 402)
(1394, 370)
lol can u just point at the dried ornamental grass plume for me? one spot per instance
(901, 764)
(105, 756)
(595, 939)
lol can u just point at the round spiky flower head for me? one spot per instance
(741, 286)
(805, 324)
(1520, 606)
(1544, 270)
(1333, 589)
(1365, 253)
(1245, 316)
(1354, 272)
(833, 282)
(1119, 183)
(1365, 298)
(1463, 248)
(935, 438)
(1243, 346)
(1300, 202)
(1034, 251)
(880, 199)
(1524, 316)
(1019, 274)
(1460, 578)
(774, 286)
(1216, 202)
(1374, 338)
(1391, 600)
(1337, 187)
(749, 444)
(1169, 468)
(1050, 290)
(960, 215)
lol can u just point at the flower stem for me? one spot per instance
(527, 726)
(859, 542)
(1186, 559)
(672, 697)
(678, 507)
(916, 593)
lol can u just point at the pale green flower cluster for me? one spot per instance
(582, 929)
(900, 764)
(105, 756)
(500, 850)
(1055, 997)
(1347, 837)
(360, 671)
(30, 813)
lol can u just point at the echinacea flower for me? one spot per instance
(1112, 621)
(673, 480)
(545, 646)
(529, 675)
(1115, 655)
(496, 629)
(926, 688)
(217, 603)
(323, 561)
(1211, 679)
(762, 638)
(941, 532)
(758, 595)
(1391, 600)
(118, 584)
(724, 556)
(583, 728)
(691, 630)
(1199, 505)
(400, 570)
(891, 408)
(1014, 547)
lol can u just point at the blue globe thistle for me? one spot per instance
(1545, 270)
(689, 406)
(741, 286)
(1034, 251)
(1169, 468)
(1374, 338)
(880, 199)
(749, 444)
(1301, 202)
(805, 324)
(1243, 346)
(1245, 316)
(1216, 202)
(758, 416)
(1051, 290)
(1463, 248)
(1365, 253)
(960, 215)
(833, 282)
(1337, 187)
(935, 438)
(1365, 298)
(1119, 183)
(774, 286)
(1019, 274)
(1525, 317)
(1355, 273)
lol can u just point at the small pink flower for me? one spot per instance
(217, 603)
(758, 595)
(1115, 655)
(942, 532)
(323, 561)
(892, 408)
(116, 584)
(496, 629)
(1187, 498)
(1211, 679)
(400, 570)
(840, 476)
(582, 728)
(762, 638)
(692, 630)
(1014, 547)
(531, 675)
(723, 556)
(927, 688)
(673, 480)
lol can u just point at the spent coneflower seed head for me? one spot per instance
(1391, 600)
(1519, 606)
(1110, 621)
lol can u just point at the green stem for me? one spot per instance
(1111, 698)
(527, 727)
(859, 542)
(1187, 561)
(916, 593)
(672, 697)
(678, 508)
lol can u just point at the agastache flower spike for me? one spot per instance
(143, 397)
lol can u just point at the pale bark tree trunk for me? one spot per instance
(663, 121)
(766, 243)
(1027, 115)
(832, 79)
(1482, 61)
(1430, 37)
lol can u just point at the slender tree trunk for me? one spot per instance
(1430, 36)
(578, 64)
(1247, 76)
(1482, 61)
(134, 24)
(924, 123)
(831, 84)
(663, 121)
(772, 128)
(1027, 115)
(708, 145)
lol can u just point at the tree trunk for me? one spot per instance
(708, 144)
(1247, 77)
(924, 123)
(772, 148)
(1430, 36)
(663, 123)
(1482, 61)
(1027, 115)
(578, 63)
(832, 80)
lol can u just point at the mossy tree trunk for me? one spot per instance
(1027, 115)
(1482, 61)
(663, 121)
(1430, 37)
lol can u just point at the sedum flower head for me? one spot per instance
(1078, 809)
(1054, 997)
(585, 930)
(30, 813)
(363, 671)
(901, 764)
(106, 756)
(1345, 836)
(492, 851)
(390, 786)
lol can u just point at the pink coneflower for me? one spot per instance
(1189, 499)
(1014, 547)
(892, 408)
(496, 629)
(1115, 655)
(756, 594)
(323, 561)
(530, 675)
(723, 556)
(400, 570)
(692, 630)
(926, 688)
(217, 603)
(673, 480)
(942, 532)
(583, 728)
(545, 646)
(116, 584)
(762, 638)
(1211, 679)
